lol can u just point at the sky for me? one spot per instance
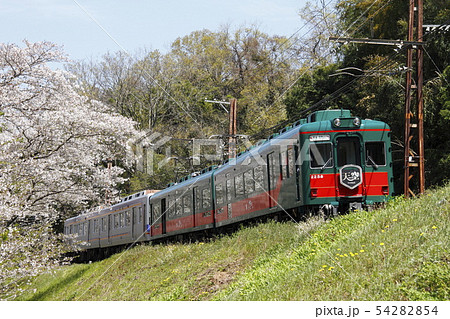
(87, 29)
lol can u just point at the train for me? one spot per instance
(330, 162)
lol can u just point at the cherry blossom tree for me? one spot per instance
(54, 143)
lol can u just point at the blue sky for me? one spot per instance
(135, 24)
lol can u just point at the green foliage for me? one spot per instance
(431, 282)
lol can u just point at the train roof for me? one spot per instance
(188, 180)
(100, 210)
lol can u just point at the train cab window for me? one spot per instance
(187, 204)
(249, 182)
(348, 151)
(206, 198)
(321, 155)
(375, 154)
(239, 184)
(219, 194)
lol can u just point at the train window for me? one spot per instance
(348, 151)
(375, 154)
(186, 204)
(249, 182)
(291, 161)
(70, 229)
(95, 226)
(229, 189)
(116, 221)
(170, 208)
(178, 207)
(259, 177)
(219, 194)
(128, 217)
(321, 155)
(239, 184)
(121, 220)
(206, 198)
(103, 224)
(156, 212)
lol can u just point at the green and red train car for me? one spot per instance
(330, 161)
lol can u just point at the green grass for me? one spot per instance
(400, 252)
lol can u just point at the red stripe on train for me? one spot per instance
(346, 131)
(328, 185)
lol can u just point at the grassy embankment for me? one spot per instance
(397, 253)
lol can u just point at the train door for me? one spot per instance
(163, 215)
(293, 161)
(348, 166)
(134, 224)
(272, 179)
(195, 202)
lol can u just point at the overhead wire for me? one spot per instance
(316, 63)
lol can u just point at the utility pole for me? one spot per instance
(232, 130)
(413, 44)
(411, 158)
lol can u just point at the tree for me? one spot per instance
(54, 146)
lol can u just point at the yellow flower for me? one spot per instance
(387, 226)
(331, 268)
(361, 251)
(381, 244)
(421, 234)
(363, 245)
(324, 266)
(341, 255)
(338, 249)
(345, 255)
(394, 220)
(434, 227)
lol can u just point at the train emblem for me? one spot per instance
(351, 176)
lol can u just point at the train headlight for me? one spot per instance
(357, 121)
(337, 122)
